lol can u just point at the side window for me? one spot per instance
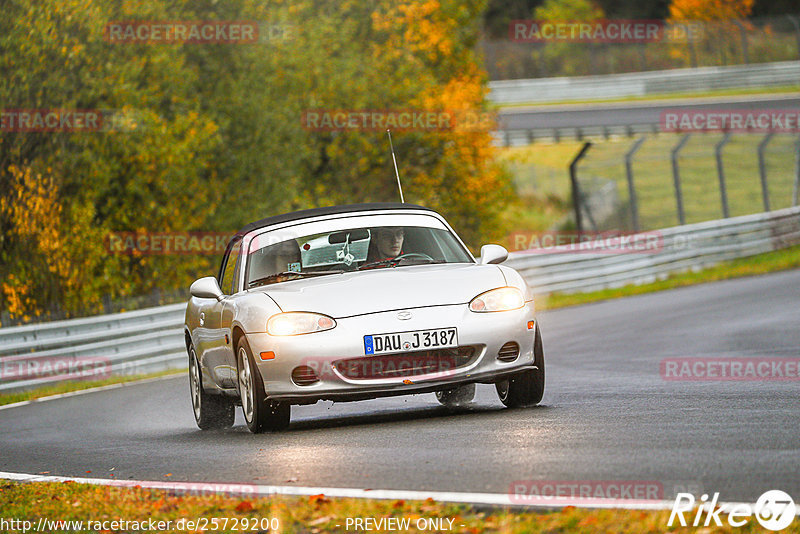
(230, 274)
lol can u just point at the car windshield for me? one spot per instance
(351, 250)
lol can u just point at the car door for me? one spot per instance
(218, 354)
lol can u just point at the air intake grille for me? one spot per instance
(304, 375)
(508, 352)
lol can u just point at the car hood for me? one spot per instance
(376, 290)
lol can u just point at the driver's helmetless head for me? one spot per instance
(388, 240)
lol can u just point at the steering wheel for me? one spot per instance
(414, 255)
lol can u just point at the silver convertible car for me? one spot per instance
(356, 302)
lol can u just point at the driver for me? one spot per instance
(386, 243)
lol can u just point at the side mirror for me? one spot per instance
(493, 254)
(206, 288)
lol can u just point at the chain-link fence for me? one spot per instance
(658, 181)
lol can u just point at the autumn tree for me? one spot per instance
(723, 24)
(214, 134)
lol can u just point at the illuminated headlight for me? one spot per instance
(296, 323)
(500, 299)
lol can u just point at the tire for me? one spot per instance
(210, 411)
(527, 387)
(456, 397)
(260, 414)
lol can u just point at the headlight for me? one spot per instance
(296, 323)
(500, 299)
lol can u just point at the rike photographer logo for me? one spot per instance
(774, 510)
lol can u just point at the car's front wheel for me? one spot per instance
(260, 414)
(527, 387)
(210, 411)
(456, 397)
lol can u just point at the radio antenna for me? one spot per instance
(396, 172)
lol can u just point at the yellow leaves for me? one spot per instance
(16, 296)
(710, 9)
(423, 26)
(32, 207)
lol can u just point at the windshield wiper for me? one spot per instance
(394, 262)
(300, 274)
(388, 261)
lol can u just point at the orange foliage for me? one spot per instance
(710, 9)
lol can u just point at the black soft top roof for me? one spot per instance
(331, 210)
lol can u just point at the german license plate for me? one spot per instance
(439, 338)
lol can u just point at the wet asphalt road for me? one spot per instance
(607, 414)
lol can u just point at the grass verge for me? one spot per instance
(314, 514)
(76, 385)
(778, 260)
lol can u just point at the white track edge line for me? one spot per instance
(233, 489)
(91, 390)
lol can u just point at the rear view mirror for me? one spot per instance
(341, 237)
(206, 288)
(493, 254)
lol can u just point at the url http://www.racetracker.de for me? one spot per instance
(44, 524)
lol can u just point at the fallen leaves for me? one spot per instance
(318, 499)
(244, 506)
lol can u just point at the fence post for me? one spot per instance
(676, 177)
(796, 32)
(631, 188)
(723, 193)
(762, 169)
(573, 178)
(743, 33)
(796, 173)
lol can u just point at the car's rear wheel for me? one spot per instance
(210, 411)
(456, 397)
(260, 414)
(527, 387)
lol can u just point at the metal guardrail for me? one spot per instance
(783, 73)
(150, 340)
(130, 343)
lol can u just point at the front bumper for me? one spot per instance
(485, 333)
